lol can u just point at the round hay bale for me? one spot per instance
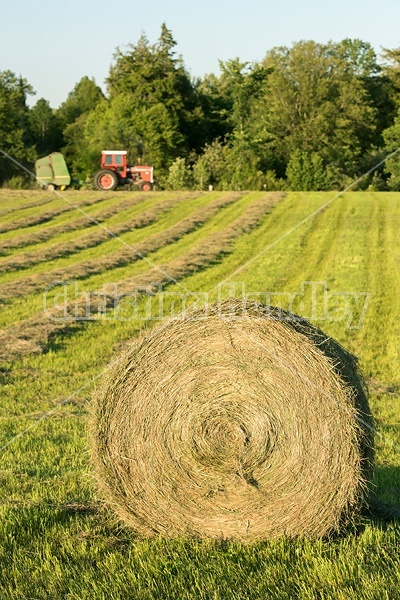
(238, 421)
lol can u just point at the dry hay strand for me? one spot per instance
(237, 421)
(13, 347)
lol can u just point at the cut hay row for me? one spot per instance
(18, 214)
(11, 198)
(207, 252)
(90, 240)
(15, 208)
(31, 335)
(57, 541)
(122, 257)
(83, 222)
(234, 421)
(50, 214)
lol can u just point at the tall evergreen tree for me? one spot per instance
(163, 115)
(80, 101)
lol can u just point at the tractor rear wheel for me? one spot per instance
(105, 180)
(145, 186)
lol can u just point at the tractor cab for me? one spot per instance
(115, 160)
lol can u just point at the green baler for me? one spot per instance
(52, 172)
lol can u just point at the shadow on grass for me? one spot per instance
(56, 340)
(384, 502)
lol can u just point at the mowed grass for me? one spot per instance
(341, 269)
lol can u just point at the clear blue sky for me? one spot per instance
(53, 44)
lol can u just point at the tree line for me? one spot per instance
(307, 117)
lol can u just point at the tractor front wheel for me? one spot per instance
(145, 186)
(105, 180)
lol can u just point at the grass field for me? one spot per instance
(340, 268)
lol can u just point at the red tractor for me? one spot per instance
(114, 171)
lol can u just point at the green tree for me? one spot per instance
(315, 102)
(242, 85)
(359, 56)
(237, 86)
(73, 114)
(46, 128)
(243, 170)
(180, 175)
(113, 124)
(149, 133)
(83, 98)
(210, 166)
(15, 133)
(362, 60)
(392, 141)
(306, 172)
(216, 106)
(165, 115)
(391, 71)
(162, 138)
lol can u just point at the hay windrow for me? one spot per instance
(75, 224)
(120, 258)
(46, 216)
(13, 346)
(40, 202)
(90, 240)
(235, 422)
(49, 232)
(39, 328)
